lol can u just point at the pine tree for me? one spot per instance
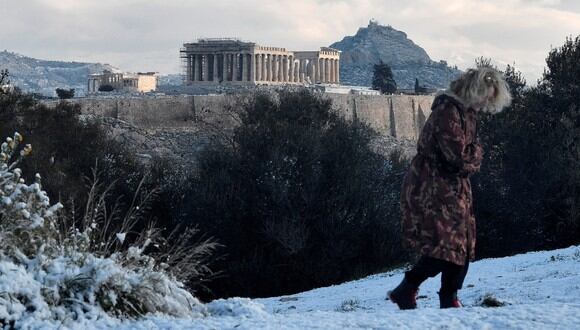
(417, 86)
(383, 79)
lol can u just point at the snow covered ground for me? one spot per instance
(541, 290)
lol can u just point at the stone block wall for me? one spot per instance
(400, 116)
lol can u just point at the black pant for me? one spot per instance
(452, 275)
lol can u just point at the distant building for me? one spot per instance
(141, 82)
(210, 62)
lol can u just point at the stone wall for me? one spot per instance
(400, 116)
(178, 127)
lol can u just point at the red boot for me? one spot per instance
(404, 295)
(449, 300)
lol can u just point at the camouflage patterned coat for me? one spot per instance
(436, 200)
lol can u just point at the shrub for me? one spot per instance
(65, 94)
(54, 269)
(106, 88)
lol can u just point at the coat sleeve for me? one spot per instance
(459, 156)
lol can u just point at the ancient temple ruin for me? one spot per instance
(141, 82)
(231, 61)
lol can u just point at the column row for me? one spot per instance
(276, 68)
(327, 71)
(283, 68)
(261, 68)
(220, 67)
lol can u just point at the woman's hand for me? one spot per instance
(472, 157)
(458, 155)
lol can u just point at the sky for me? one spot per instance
(146, 35)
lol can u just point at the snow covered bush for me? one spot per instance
(56, 270)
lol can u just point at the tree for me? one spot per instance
(383, 79)
(529, 194)
(560, 80)
(418, 88)
(297, 196)
(65, 94)
(4, 77)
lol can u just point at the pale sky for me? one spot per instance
(145, 35)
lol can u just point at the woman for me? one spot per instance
(436, 200)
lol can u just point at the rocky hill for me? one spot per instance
(376, 42)
(40, 76)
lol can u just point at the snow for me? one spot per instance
(49, 284)
(541, 290)
(121, 237)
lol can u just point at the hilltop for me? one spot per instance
(42, 76)
(377, 42)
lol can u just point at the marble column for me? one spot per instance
(189, 72)
(265, 72)
(280, 68)
(235, 70)
(287, 69)
(298, 70)
(202, 68)
(258, 67)
(244, 63)
(261, 71)
(322, 71)
(290, 68)
(277, 68)
(215, 78)
(253, 68)
(332, 71)
(312, 71)
(316, 71)
(223, 77)
(194, 70)
(327, 64)
(269, 67)
(338, 71)
(206, 67)
(274, 67)
(193, 67)
(295, 72)
(232, 67)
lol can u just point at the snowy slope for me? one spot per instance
(541, 290)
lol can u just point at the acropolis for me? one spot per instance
(231, 61)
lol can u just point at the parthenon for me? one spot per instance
(231, 61)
